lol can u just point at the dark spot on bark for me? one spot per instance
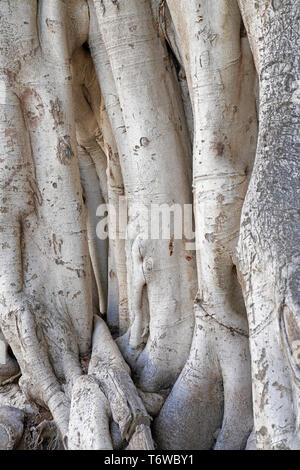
(116, 3)
(171, 246)
(263, 431)
(206, 34)
(112, 274)
(86, 46)
(220, 219)
(84, 361)
(246, 221)
(11, 76)
(110, 152)
(51, 24)
(243, 32)
(76, 294)
(102, 7)
(56, 110)
(220, 148)
(188, 258)
(64, 150)
(144, 141)
(210, 237)
(111, 175)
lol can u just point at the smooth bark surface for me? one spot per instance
(125, 125)
(219, 69)
(138, 73)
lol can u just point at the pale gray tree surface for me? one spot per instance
(124, 323)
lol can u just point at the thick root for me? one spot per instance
(11, 427)
(89, 418)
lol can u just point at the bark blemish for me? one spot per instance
(102, 7)
(112, 274)
(263, 396)
(243, 32)
(76, 294)
(207, 35)
(32, 106)
(263, 431)
(116, 3)
(144, 141)
(56, 111)
(220, 148)
(64, 150)
(171, 246)
(11, 76)
(111, 176)
(210, 237)
(51, 24)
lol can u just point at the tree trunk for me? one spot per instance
(216, 381)
(46, 313)
(100, 101)
(160, 307)
(269, 238)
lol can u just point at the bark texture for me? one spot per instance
(269, 237)
(134, 71)
(219, 68)
(117, 117)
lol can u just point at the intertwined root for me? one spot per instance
(81, 405)
(47, 352)
(107, 392)
(210, 404)
(11, 427)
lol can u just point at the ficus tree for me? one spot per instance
(108, 109)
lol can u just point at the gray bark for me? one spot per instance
(269, 237)
(101, 99)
